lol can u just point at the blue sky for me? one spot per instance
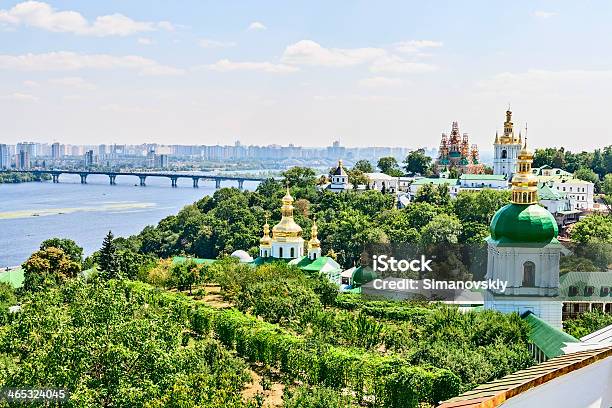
(308, 72)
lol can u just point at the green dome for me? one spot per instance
(363, 275)
(528, 223)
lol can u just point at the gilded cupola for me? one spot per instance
(287, 229)
(314, 241)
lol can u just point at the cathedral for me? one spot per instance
(506, 149)
(523, 249)
(287, 244)
(455, 152)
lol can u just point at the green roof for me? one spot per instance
(547, 193)
(199, 261)
(260, 260)
(363, 275)
(581, 280)
(321, 264)
(523, 223)
(14, 277)
(426, 180)
(546, 337)
(499, 177)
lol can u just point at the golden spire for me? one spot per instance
(524, 183)
(314, 241)
(496, 137)
(508, 136)
(287, 227)
(266, 240)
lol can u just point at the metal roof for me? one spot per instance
(582, 280)
(546, 337)
(495, 393)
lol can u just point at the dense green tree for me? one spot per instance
(358, 178)
(113, 345)
(419, 214)
(389, 165)
(443, 229)
(108, 261)
(417, 162)
(606, 185)
(434, 194)
(364, 166)
(589, 175)
(186, 274)
(587, 323)
(479, 206)
(7, 297)
(593, 229)
(302, 177)
(70, 248)
(48, 267)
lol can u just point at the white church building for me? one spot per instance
(523, 251)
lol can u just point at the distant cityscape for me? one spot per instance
(29, 155)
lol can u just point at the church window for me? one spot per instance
(529, 274)
(504, 154)
(280, 252)
(292, 252)
(314, 256)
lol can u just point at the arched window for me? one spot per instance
(504, 154)
(529, 274)
(280, 252)
(292, 252)
(314, 256)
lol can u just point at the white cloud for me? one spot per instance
(208, 43)
(44, 16)
(396, 65)
(70, 61)
(415, 46)
(144, 41)
(73, 82)
(256, 26)
(307, 52)
(381, 82)
(166, 25)
(544, 14)
(226, 65)
(30, 84)
(545, 82)
(20, 97)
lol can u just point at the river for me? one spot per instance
(33, 212)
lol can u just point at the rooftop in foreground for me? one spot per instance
(496, 393)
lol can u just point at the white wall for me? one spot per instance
(588, 387)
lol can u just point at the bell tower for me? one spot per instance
(523, 251)
(506, 149)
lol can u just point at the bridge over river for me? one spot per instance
(112, 176)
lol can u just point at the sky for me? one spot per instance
(366, 73)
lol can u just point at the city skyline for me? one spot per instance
(398, 73)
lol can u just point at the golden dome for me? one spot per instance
(314, 241)
(287, 227)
